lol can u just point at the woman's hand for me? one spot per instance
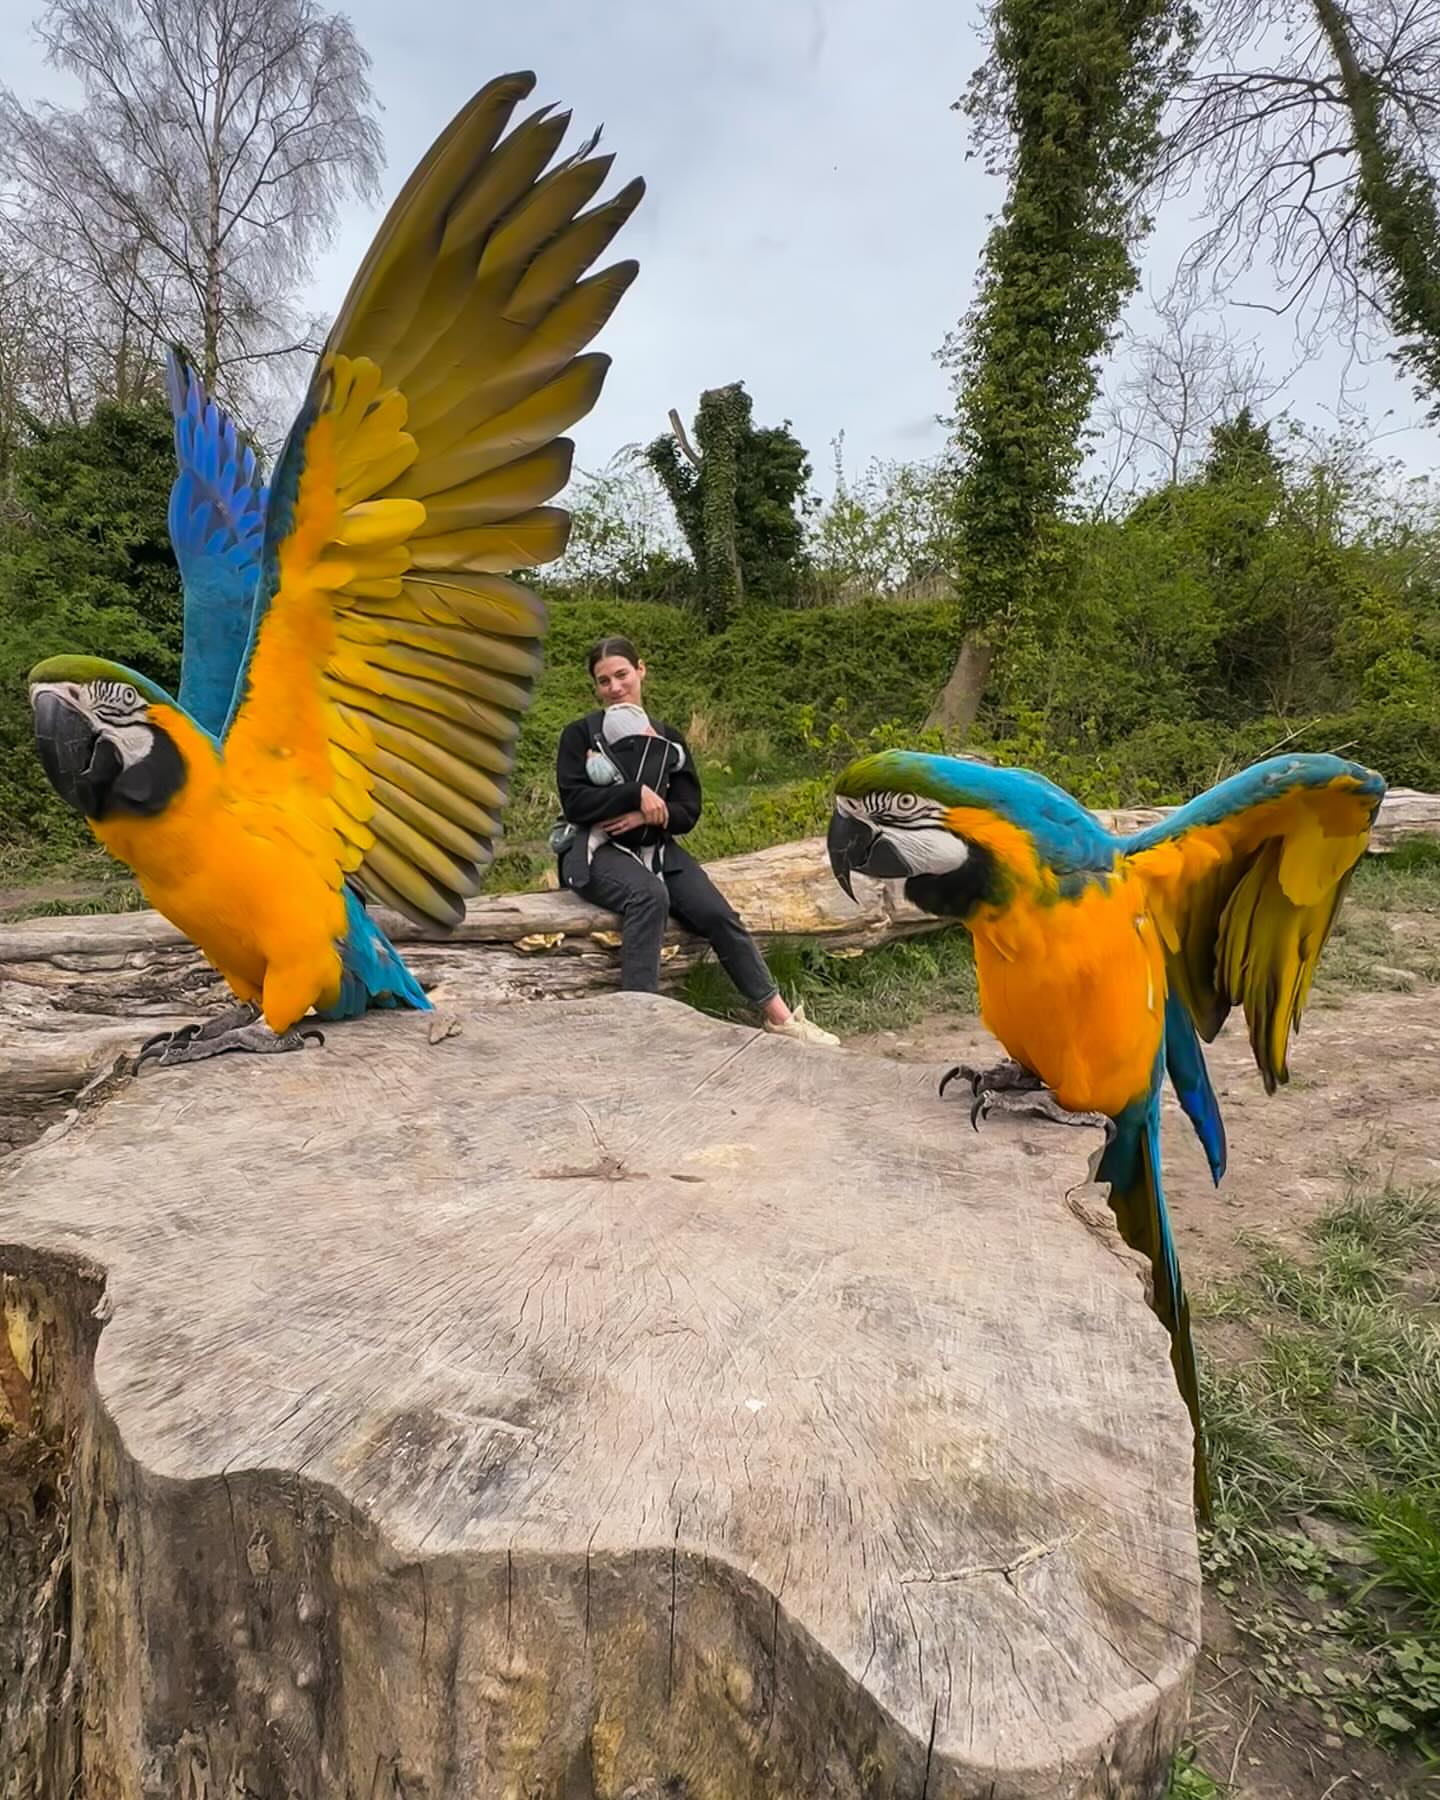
(653, 808)
(631, 821)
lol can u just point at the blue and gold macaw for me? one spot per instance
(356, 656)
(1102, 961)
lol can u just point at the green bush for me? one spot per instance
(85, 566)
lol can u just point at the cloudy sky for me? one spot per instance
(812, 225)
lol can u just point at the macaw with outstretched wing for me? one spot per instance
(1102, 960)
(357, 657)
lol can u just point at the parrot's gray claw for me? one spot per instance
(965, 1073)
(162, 1040)
(251, 1034)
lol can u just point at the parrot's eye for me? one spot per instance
(905, 803)
(129, 697)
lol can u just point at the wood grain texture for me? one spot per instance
(608, 1402)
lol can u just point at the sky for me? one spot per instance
(812, 225)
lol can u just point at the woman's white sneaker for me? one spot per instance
(798, 1027)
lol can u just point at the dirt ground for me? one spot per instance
(1362, 1108)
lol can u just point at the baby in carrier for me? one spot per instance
(624, 746)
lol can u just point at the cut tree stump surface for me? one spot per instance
(604, 1398)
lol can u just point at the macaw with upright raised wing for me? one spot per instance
(1102, 960)
(356, 656)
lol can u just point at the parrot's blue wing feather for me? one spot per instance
(1272, 780)
(217, 527)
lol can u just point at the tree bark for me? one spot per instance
(959, 704)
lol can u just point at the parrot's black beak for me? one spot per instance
(856, 848)
(80, 764)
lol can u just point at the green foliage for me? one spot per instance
(85, 565)
(1067, 105)
(889, 532)
(1188, 1781)
(1279, 600)
(622, 538)
(737, 510)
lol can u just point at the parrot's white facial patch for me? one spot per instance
(115, 709)
(914, 825)
(929, 849)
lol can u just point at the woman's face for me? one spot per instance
(618, 681)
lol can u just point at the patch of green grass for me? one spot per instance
(121, 897)
(890, 986)
(1188, 1781)
(1325, 1458)
(1406, 879)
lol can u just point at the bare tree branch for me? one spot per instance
(189, 192)
(1267, 109)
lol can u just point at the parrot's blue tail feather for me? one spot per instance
(374, 974)
(1131, 1166)
(1185, 1061)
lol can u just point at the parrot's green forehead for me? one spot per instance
(83, 670)
(892, 772)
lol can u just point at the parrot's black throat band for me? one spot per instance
(957, 893)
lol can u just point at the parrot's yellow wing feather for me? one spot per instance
(1245, 884)
(393, 655)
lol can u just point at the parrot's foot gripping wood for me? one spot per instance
(241, 1029)
(1011, 1087)
(1005, 1075)
(1038, 1103)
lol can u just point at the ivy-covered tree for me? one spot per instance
(85, 566)
(1066, 107)
(735, 498)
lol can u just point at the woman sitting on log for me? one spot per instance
(628, 790)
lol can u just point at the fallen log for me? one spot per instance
(483, 1416)
(77, 991)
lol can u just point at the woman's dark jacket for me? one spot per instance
(586, 803)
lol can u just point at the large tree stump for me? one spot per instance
(601, 1402)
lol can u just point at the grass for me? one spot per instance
(44, 886)
(1325, 1456)
(1373, 950)
(1188, 1781)
(850, 993)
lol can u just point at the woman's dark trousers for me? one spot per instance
(645, 902)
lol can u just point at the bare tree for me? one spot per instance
(1312, 130)
(188, 193)
(1174, 385)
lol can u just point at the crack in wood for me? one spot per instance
(1036, 1553)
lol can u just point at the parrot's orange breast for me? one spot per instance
(1075, 990)
(236, 878)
